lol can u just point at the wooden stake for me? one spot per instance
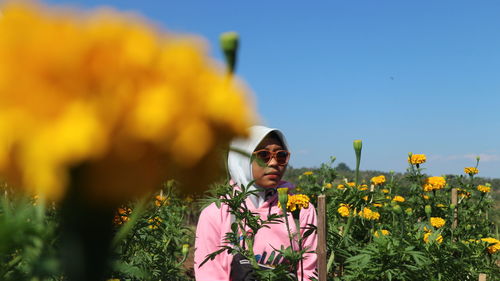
(482, 277)
(454, 201)
(321, 248)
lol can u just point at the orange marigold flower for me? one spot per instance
(495, 244)
(434, 183)
(369, 214)
(463, 193)
(398, 198)
(155, 222)
(378, 180)
(417, 159)
(296, 202)
(122, 215)
(160, 200)
(484, 188)
(437, 222)
(385, 190)
(344, 210)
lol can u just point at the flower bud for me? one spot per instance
(409, 211)
(397, 209)
(185, 249)
(283, 197)
(229, 45)
(358, 145)
(452, 206)
(428, 209)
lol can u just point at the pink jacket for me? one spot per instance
(215, 222)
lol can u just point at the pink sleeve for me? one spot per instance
(308, 216)
(208, 240)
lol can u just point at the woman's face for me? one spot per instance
(268, 176)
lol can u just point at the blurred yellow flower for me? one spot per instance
(398, 198)
(351, 184)
(484, 188)
(160, 200)
(385, 190)
(155, 222)
(107, 96)
(463, 193)
(328, 185)
(439, 238)
(495, 247)
(440, 206)
(363, 188)
(434, 183)
(378, 180)
(417, 159)
(471, 170)
(340, 186)
(377, 205)
(308, 173)
(426, 197)
(381, 232)
(369, 214)
(437, 222)
(296, 202)
(344, 210)
(365, 198)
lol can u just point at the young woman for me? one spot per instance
(270, 146)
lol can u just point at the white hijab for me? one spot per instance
(240, 167)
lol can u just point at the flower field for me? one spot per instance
(102, 172)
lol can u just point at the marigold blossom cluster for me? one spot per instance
(434, 183)
(484, 188)
(368, 214)
(105, 92)
(495, 247)
(296, 202)
(381, 232)
(471, 170)
(417, 159)
(378, 180)
(437, 222)
(398, 198)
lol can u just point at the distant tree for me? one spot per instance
(342, 167)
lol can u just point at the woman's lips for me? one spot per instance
(273, 176)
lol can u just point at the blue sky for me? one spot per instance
(419, 76)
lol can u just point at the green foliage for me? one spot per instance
(27, 239)
(152, 248)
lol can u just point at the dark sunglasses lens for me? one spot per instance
(264, 155)
(282, 157)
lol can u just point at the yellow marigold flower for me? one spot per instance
(369, 214)
(434, 183)
(363, 188)
(296, 202)
(328, 185)
(388, 197)
(119, 99)
(471, 170)
(344, 210)
(439, 239)
(308, 173)
(351, 184)
(385, 190)
(365, 198)
(426, 197)
(398, 198)
(382, 232)
(377, 205)
(440, 206)
(340, 186)
(417, 159)
(437, 222)
(378, 180)
(155, 222)
(495, 247)
(484, 188)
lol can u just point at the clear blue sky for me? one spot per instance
(419, 76)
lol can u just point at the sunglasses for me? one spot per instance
(281, 156)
